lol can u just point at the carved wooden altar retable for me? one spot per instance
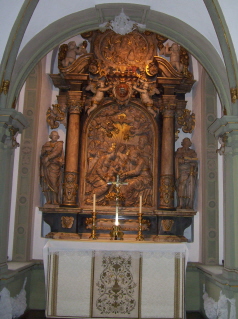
(124, 106)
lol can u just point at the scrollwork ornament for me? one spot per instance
(186, 121)
(161, 39)
(166, 191)
(9, 136)
(13, 131)
(234, 94)
(54, 115)
(224, 149)
(152, 69)
(70, 188)
(5, 86)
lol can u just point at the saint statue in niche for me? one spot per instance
(120, 143)
(51, 162)
(185, 174)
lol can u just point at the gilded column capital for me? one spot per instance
(75, 107)
(75, 102)
(168, 105)
(12, 122)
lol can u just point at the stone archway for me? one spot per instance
(157, 22)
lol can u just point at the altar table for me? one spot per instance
(97, 279)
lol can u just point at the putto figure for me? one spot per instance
(186, 163)
(174, 53)
(51, 162)
(146, 91)
(73, 51)
(98, 90)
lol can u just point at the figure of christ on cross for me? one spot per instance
(118, 185)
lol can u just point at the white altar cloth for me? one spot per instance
(102, 279)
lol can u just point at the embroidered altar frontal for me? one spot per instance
(143, 281)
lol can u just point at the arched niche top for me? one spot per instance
(89, 19)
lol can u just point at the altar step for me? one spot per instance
(40, 314)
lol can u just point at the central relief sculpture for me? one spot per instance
(120, 142)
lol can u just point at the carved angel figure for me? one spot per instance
(98, 89)
(145, 95)
(73, 51)
(174, 53)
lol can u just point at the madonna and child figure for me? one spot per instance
(51, 162)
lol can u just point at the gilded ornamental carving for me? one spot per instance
(120, 142)
(123, 101)
(67, 221)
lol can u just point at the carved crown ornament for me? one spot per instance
(122, 24)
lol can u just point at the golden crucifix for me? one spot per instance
(118, 195)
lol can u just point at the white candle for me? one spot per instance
(140, 207)
(116, 220)
(94, 203)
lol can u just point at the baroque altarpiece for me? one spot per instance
(123, 105)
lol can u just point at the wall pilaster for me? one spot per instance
(226, 128)
(11, 123)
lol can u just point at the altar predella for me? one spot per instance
(123, 105)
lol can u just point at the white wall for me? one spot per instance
(8, 14)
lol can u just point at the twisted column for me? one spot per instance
(167, 153)
(70, 185)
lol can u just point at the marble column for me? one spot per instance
(227, 127)
(70, 185)
(167, 153)
(11, 123)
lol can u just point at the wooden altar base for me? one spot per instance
(157, 225)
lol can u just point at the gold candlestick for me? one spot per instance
(94, 220)
(94, 227)
(116, 233)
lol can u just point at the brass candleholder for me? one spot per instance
(116, 233)
(140, 237)
(94, 227)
